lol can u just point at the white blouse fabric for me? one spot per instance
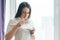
(23, 32)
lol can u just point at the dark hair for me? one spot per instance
(21, 6)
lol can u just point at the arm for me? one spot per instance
(33, 37)
(12, 32)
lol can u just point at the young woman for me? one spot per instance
(21, 26)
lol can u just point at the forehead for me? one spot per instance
(26, 9)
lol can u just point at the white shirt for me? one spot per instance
(23, 32)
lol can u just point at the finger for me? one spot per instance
(34, 28)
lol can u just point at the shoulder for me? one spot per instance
(12, 21)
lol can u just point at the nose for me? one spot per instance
(26, 15)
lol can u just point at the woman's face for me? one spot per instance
(25, 13)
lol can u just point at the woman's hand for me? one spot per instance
(32, 31)
(22, 21)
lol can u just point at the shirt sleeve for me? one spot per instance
(10, 25)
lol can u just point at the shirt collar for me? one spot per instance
(20, 19)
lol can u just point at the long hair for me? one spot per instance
(21, 6)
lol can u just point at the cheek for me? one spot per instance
(23, 15)
(27, 15)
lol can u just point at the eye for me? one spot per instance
(25, 12)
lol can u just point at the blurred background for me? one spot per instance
(42, 16)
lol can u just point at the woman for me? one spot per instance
(21, 26)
